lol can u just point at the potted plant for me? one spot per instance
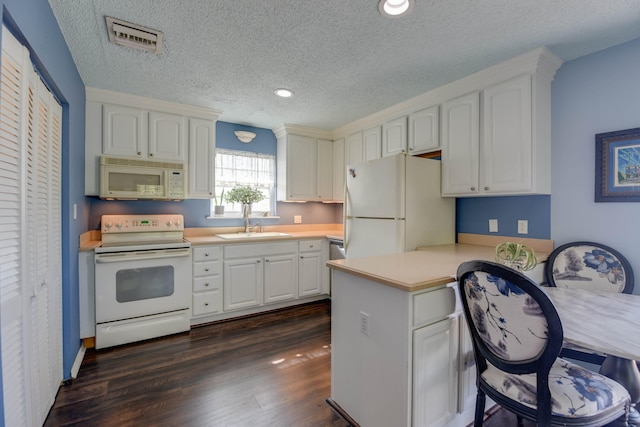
(219, 207)
(516, 255)
(245, 196)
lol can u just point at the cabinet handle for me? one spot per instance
(486, 188)
(301, 257)
(206, 254)
(206, 284)
(139, 153)
(206, 304)
(473, 188)
(258, 261)
(206, 269)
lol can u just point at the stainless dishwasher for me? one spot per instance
(336, 249)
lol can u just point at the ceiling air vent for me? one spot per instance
(135, 36)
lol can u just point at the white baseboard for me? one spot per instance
(76, 363)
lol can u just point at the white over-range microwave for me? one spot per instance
(132, 179)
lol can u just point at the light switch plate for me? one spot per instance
(493, 226)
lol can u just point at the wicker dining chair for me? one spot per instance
(517, 336)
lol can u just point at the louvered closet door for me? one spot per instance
(12, 84)
(32, 349)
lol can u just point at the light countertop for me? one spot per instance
(413, 271)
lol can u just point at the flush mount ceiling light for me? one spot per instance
(395, 8)
(283, 93)
(244, 136)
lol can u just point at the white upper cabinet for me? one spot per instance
(354, 149)
(167, 136)
(339, 170)
(305, 167)
(124, 125)
(372, 144)
(424, 134)
(124, 131)
(202, 146)
(394, 136)
(460, 143)
(134, 132)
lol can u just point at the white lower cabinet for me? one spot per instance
(207, 280)
(402, 368)
(435, 373)
(255, 274)
(310, 266)
(280, 278)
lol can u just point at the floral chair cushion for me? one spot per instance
(493, 303)
(575, 391)
(588, 267)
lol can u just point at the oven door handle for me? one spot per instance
(142, 255)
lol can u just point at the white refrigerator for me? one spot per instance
(393, 205)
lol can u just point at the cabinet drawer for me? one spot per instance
(207, 253)
(310, 245)
(208, 268)
(207, 303)
(260, 250)
(208, 283)
(432, 306)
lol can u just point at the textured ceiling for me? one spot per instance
(342, 59)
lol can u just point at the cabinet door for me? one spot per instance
(424, 131)
(353, 149)
(394, 137)
(460, 145)
(301, 168)
(280, 278)
(506, 153)
(167, 136)
(372, 144)
(243, 279)
(310, 274)
(467, 369)
(324, 167)
(123, 131)
(201, 158)
(435, 373)
(338, 170)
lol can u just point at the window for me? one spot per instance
(244, 168)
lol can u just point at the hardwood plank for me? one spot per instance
(268, 369)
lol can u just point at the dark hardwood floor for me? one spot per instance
(267, 370)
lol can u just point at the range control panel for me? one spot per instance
(141, 223)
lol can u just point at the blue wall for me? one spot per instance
(594, 94)
(33, 22)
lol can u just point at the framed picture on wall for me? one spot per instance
(618, 166)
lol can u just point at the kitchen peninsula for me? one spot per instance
(401, 355)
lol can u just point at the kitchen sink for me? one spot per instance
(243, 235)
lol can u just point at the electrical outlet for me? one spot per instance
(523, 226)
(297, 219)
(364, 323)
(493, 226)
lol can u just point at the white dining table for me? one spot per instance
(607, 323)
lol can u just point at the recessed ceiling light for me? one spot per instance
(283, 93)
(395, 8)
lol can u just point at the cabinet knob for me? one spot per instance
(206, 284)
(310, 246)
(486, 188)
(150, 154)
(258, 261)
(473, 188)
(206, 304)
(206, 269)
(139, 153)
(410, 149)
(206, 254)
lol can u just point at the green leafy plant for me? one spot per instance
(516, 256)
(215, 199)
(244, 195)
